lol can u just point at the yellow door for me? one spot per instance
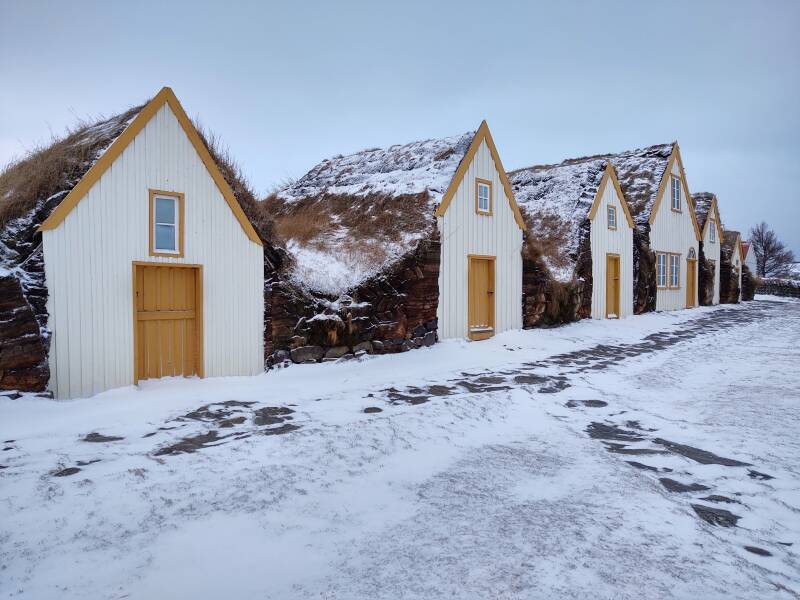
(168, 321)
(480, 309)
(691, 282)
(612, 286)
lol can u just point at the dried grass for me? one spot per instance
(368, 220)
(53, 167)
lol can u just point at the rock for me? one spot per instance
(305, 354)
(716, 516)
(429, 339)
(419, 331)
(297, 341)
(281, 356)
(337, 352)
(372, 409)
(377, 347)
(360, 353)
(677, 486)
(363, 347)
(99, 438)
(66, 472)
(757, 550)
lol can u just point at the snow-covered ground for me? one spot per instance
(538, 464)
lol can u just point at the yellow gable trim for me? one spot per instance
(675, 155)
(612, 174)
(482, 134)
(165, 96)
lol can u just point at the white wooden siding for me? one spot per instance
(611, 241)
(737, 261)
(711, 251)
(674, 232)
(89, 256)
(750, 261)
(463, 232)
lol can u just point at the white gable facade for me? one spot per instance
(91, 259)
(611, 239)
(737, 260)
(712, 242)
(673, 238)
(750, 261)
(466, 233)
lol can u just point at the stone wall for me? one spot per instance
(644, 271)
(706, 273)
(749, 284)
(23, 349)
(545, 301)
(394, 311)
(728, 281)
(779, 287)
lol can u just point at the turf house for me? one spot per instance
(732, 265)
(127, 255)
(390, 249)
(706, 210)
(579, 226)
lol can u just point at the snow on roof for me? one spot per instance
(702, 206)
(427, 165)
(368, 209)
(729, 238)
(30, 188)
(639, 172)
(556, 200)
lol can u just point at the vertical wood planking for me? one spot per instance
(88, 260)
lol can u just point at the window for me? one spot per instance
(674, 271)
(676, 194)
(661, 270)
(166, 223)
(713, 232)
(483, 197)
(612, 217)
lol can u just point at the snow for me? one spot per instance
(557, 200)
(334, 260)
(494, 494)
(402, 169)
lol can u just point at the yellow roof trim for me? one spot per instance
(675, 155)
(482, 134)
(165, 96)
(610, 173)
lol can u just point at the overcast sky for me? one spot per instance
(286, 85)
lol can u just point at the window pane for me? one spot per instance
(165, 237)
(165, 210)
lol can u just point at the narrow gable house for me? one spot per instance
(579, 224)
(654, 184)
(732, 262)
(151, 266)
(707, 212)
(394, 247)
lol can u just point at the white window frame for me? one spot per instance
(674, 271)
(675, 192)
(177, 200)
(611, 216)
(483, 184)
(661, 269)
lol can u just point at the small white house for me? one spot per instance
(733, 254)
(576, 211)
(654, 183)
(151, 265)
(707, 214)
(351, 219)
(750, 258)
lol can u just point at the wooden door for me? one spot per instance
(612, 286)
(691, 282)
(480, 309)
(167, 321)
